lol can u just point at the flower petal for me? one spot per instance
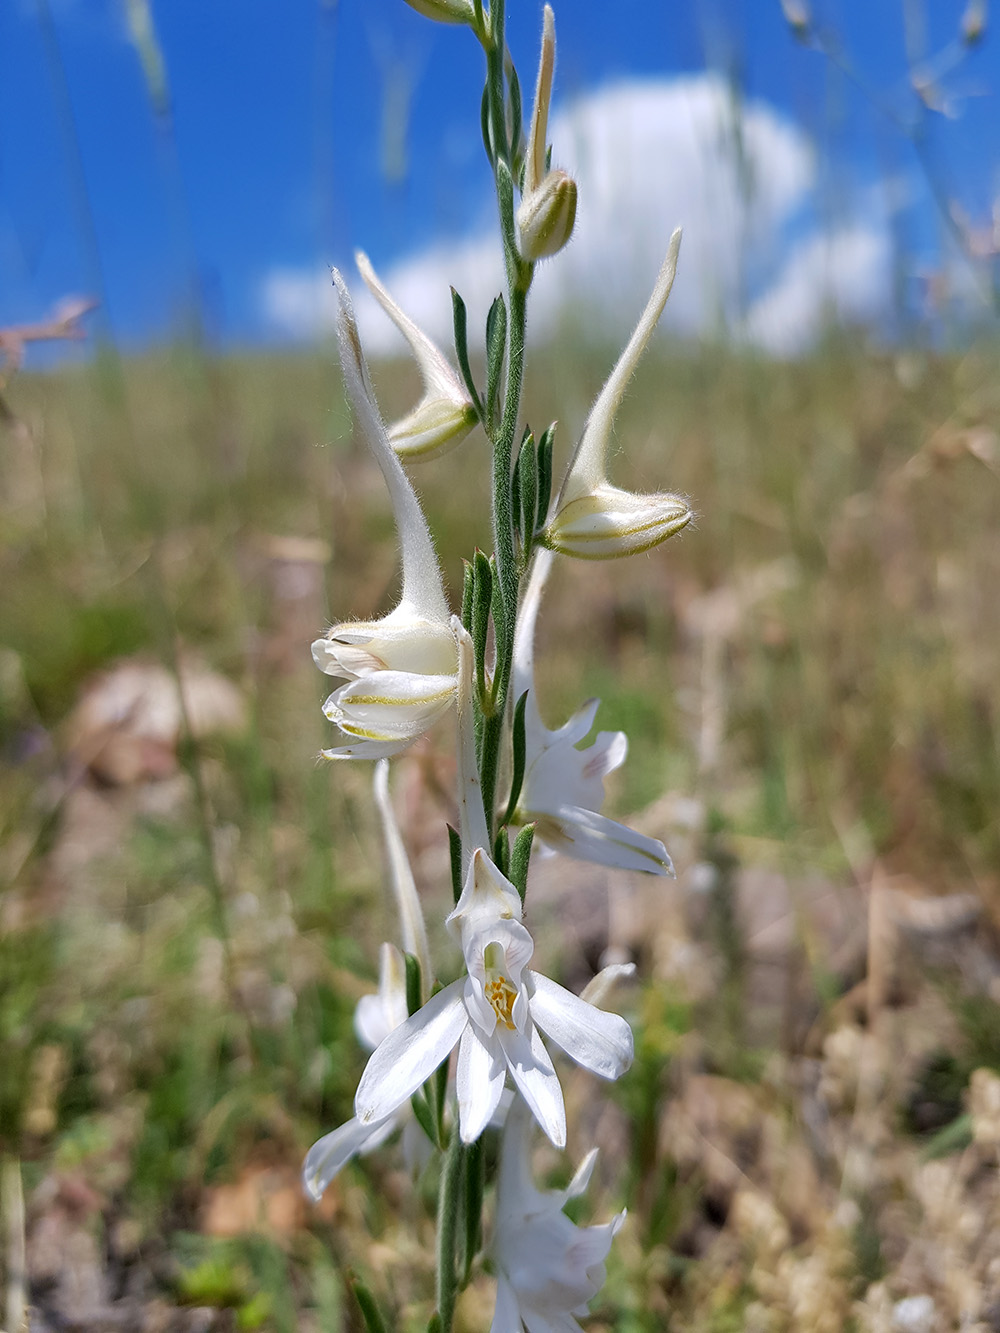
(479, 1080)
(588, 836)
(390, 706)
(410, 1054)
(595, 1039)
(536, 1079)
(506, 1316)
(334, 1150)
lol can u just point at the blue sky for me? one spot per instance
(302, 130)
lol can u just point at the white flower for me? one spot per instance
(374, 1018)
(547, 210)
(494, 1016)
(445, 414)
(594, 519)
(400, 670)
(563, 787)
(549, 1268)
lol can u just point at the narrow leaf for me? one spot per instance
(544, 475)
(484, 118)
(519, 859)
(425, 1117)
(374, 1322)
(455, 851)
(468, 585)
(501, 851)
(519, 746)
(515, 122)
(462, 349)
(515, 495)
(496, 342)
(529, 491)
(482, 600)
(413, 984)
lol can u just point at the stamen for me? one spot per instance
(499, 992)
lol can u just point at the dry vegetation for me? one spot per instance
(190, 907)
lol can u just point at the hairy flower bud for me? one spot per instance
(445, 414)
(444, 11)
(547, 211)
(592, 518)
(546, 216)
(611, 522)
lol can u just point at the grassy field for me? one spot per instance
(190, 906)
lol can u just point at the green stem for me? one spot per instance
(447, 1227)
(518, 281)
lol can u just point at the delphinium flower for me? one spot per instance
(400, 670)
(377, 1015)
(445, 414)
(563, 786)
(494, 1015)
(547, 210)
(592, 518)
(548, 1268)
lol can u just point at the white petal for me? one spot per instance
(536, 1080)
(600, 987)
(389, 705)
(422, 585)
(367, 749)
(588, 836)
(506, 1317)
(411, 918)
(410, 1054)
(595, 1039)
(479, 1080)
(328, 1154)
(588, 465)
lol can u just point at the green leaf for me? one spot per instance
(514, 118)
(544, 476)
(462, 349)
(374, 1322)
(413, 986)
(519, 746)
(501, 851)
(425, 1117)
(529, 491)
(496, 343)
(468, 585)
(455, 852)
(482, 601)
(519, 859)
(484, 118)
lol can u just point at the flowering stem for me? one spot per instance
(519, 276)
(447, 1227)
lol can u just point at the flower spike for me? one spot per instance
(563, 786)
(594, 519)
(445, 413)
(400, 670)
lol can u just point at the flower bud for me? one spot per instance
(610, 522)
(548, 200)
(546, 216)
(445, 414)
(444, 11)
(594, 519)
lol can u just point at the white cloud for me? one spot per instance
(649, 156)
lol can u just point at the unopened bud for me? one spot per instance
(444, 11)
(611, 522)
(546, 216)
(973, 25)
(797, 17)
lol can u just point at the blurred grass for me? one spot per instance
(815, 660)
